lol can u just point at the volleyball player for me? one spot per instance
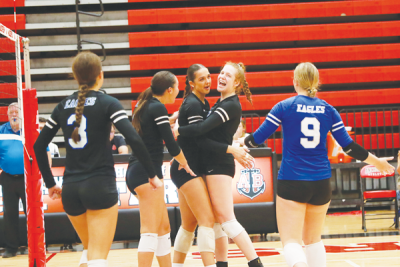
(220, 126)
(304, 191)
(89, 194)
(150, 118)
(194, 202)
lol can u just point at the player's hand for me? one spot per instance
(55, 192)
(384, 167)
(398, 162)
(241, 155)
(175, 130)
(173, 117)
(241, 141)
(187, 169)
(156, 182)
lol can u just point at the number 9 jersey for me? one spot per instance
(305, 124)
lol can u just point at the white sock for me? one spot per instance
(294, 253)
(177, 264)
(97, 263)
(316, 254)
(214, 265)
(83, 257)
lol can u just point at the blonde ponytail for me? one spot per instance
(307, 75)
(243, 84)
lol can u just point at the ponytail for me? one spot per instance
(188, 88)
(143, 99)
(83, 90)
(307, 75)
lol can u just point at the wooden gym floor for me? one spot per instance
(346, 244)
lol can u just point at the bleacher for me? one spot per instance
(355, 45)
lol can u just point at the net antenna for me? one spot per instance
(12, 69)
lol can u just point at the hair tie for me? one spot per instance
(76, 124)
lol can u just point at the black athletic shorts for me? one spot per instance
(310, 192)
(181, 177)
(136, 174)
(94, 193)
(221, 169)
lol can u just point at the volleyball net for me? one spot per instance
(19, 106)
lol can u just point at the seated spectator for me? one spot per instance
(241, 132)
(53, 148)
(118, 143)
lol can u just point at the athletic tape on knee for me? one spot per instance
(183, 240)
(294, 253)
(316, 255)
(97, 263)
(206, 239)
(148, 242)
(83, 257)
(218, 231)
(164, 245)
(232, 228)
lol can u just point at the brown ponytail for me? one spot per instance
(190, 76)
(86, 68)
(161, 81)
(143, 99)
(240, 75)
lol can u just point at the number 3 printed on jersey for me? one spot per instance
(81, 131)
(314, 133)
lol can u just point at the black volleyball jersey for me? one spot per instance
(220, 126)
(92, 155)
(155, 126)
(193, 110)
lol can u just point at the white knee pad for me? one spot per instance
(206, 239)
(97, 263)
(148, 242)
(294, 253)
(233, 228)
(83, 257)
(218, 231)
(316, 255)
(164, 245)
(183, 240)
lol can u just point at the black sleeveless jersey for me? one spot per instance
(92, 155)
(220, 126)
(155, 126)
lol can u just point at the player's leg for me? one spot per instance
(185, 236)
(221, 246)
(81, 227)
(290, 216)
(101, 228)
(220, 190)
(196, 196)
(163, 252)
(314, 221)
(151, 207)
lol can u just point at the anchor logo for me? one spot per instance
(251, 183)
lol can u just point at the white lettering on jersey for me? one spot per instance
(310, 109)
(72, 103)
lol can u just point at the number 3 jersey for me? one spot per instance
(92, 155)
(305, 124)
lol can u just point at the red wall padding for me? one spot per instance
(266, 57)
(10, 3)
(8, 21)
(264, 34)
(336, 99)
(285, 78)
(262, 12)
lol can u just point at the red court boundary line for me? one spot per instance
(50, 257)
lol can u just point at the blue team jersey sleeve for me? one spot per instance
(270, 125)
(338, 130)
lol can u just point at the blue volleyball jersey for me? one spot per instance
(305, 124)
